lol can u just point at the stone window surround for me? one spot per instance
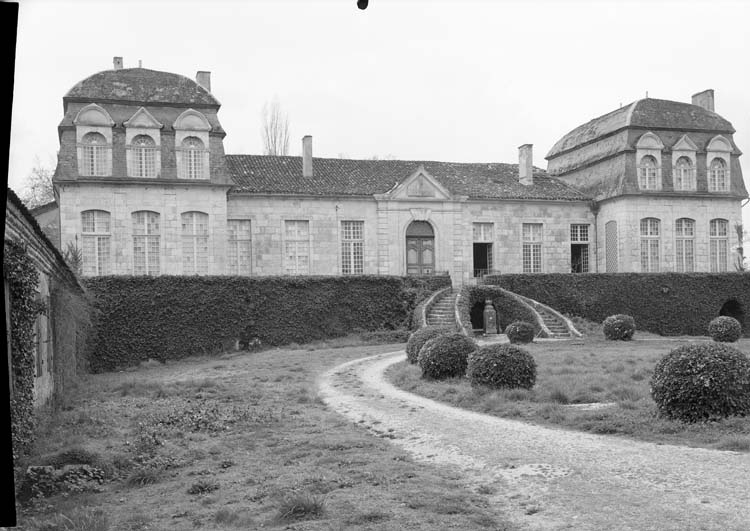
(342, 241)
(192, 123)
(684, 237)
(685, 147)
(94, 119)
(719, 148)
(649, 144)
(542, 223)
(648, 237)
(236, 241)
(309, 246)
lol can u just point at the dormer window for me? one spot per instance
(94, 141)
(717, 176)
(143, 143)
(684, 174)
(718, 153)
(191, 138)
(648, 157)
(648, 173)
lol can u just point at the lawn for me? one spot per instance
(238, 442)
(590, 385)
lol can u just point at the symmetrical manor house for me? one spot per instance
(144, 187)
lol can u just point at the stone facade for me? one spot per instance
(302, 215)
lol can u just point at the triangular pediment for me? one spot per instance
(420, 185)
(143, 118)
(685, 144)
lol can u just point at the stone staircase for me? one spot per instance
(442, 312)
(557, 328)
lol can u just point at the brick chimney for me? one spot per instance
(117, 61)
(525, 165)
(204, 79)
(705, 99)
(307, 168)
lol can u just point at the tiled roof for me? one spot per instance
(142, 85)
(646, 113)
(283, 175)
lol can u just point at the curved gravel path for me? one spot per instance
(551, 478)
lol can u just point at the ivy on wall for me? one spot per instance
(171, 317)
(663, 303)
(23, 279)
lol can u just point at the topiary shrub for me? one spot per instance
(420, 337)
(502, 366)
(445, 356)
(619, 326)
(702, 381)
(725, 329)
(520, 332)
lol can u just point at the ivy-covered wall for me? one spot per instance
(663, 303)
(170, 317)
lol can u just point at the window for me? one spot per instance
(684, 233)
(532, 247)
(240, 245)
(610, 237)
(146, 249)
(96, 242)
(684, 174)
(143, 157)
(194, 243)
(649, 245)
(297, 247)
(717, 176)
(192, 158)
(483, 264)
(95, 155)
(579, 248)
(719, 245)
(352, 247)
(648, 174)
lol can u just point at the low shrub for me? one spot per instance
(619, 326)
(702, 381)
(502, 366)
(300, 506)
(419, 338)
(445, 356)
(725, 329)
(520, 332)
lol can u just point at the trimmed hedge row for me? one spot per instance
(508, 309)
(171, 317)
(663, 303)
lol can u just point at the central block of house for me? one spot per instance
(144, 187)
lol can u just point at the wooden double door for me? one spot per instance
(420, 249)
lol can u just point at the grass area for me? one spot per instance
(572, 374)
(239, 442)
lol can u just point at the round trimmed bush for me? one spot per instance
(445, 356)
(420, 337)
(702, 381)
(520, 332)
(619, 326)
(725, 329)
(500, 366)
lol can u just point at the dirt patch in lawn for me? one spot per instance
(575, 379)
(235, 442)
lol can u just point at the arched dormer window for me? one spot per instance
(684, 174)
(142, 157)
(648, 173)
(94, 141)
(718, 161)
(648, 157)
(143, 144)
(192, 141)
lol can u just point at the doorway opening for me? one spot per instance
(420, 249)
(579, 258)
(733, 308)
(482, 259)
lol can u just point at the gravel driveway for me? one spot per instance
(550, 478)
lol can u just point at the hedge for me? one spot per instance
(508, 308)
(171, 317)
(663, 303)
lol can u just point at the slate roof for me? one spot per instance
(648, 113)
(283, 175)
(142, 85)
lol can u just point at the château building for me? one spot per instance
(144, 187)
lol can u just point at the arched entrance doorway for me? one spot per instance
(420, 249)
(732, 308)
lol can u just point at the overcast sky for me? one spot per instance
(422, 80)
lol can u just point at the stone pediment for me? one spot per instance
(144, 119)
(420, 185)
(685, 144)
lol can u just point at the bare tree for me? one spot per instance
(37, 189)
(275, 129)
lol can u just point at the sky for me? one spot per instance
(459, 81)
